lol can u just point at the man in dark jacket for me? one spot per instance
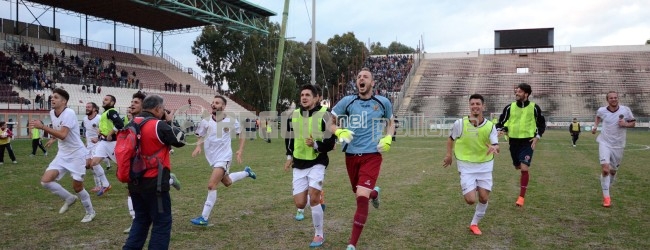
(151, 201)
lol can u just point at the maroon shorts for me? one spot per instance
(363, 169)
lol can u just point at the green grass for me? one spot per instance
(422, 207)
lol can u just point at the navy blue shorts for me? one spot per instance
(521, 152)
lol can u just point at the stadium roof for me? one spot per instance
(169, 15)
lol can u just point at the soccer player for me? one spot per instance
(524, 124)
(611, 140)
(215, 133)
(474, 141)
(365, 115)
(574, 129)
(91, 125)
(37, 142)
(307, 151)
(134, 110)
(70, 157)
(109, 123)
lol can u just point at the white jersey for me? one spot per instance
(71, 146)
(612, 134)
(92, 127)
(473, 167)
(217, 138)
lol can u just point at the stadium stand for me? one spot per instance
(566, 83)
(90, 73)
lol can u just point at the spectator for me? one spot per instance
(5, 143)
(37, 101)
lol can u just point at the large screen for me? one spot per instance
(523, 38)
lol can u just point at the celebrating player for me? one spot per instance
(367, 115)
(307, 151)
(215, 133)
(71, 155)
(474, 141)
(611, 141)
(524, 123)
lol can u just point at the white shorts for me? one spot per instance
(310, 177)
(222, 164)
(91, 149)
(76, 166)
(105, 149)
(469, 181)
(611, 156)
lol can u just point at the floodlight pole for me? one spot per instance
(279, 58)
(313, 42)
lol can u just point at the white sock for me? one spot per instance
(479, 213)
(129, 203)
(171, 181)
(85, 200)
(612, 178)
(98, 182)
(209, 203)
(99, 173)
(604, 184)
(58, 190)
(317, 219)
(234, 177)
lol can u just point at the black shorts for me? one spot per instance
(521, 152)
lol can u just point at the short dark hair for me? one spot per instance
(313, 88)
(113, 98)
(2, 123)
(477, 96)
(139, 95)
(152, 102)
(94, 106)
(222, 98)
(62, 93)
(525, 87)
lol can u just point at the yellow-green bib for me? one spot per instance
(36, 133)
(470, 146)
(304, 127)
(521, 123)
(105, 124)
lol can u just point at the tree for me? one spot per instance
(348, 53)
(647, 42)
(246, 63)
(398, 48)
(377, 49)
(217, 50)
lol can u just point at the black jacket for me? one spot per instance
(324, 146)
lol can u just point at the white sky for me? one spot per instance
(443, 25)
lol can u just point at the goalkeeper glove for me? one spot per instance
(344, 135)
(384, 143)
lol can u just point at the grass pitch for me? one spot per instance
(422, 207)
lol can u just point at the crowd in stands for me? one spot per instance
(389, 73)
(95, 71)
(12, 74)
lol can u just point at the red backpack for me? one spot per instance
(131, 164)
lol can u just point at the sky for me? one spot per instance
(441, 25)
